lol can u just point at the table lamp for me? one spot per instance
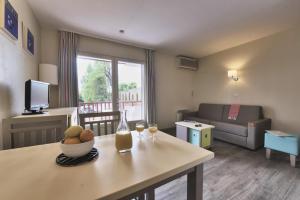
(48, 73)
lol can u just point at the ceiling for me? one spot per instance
(190, 27)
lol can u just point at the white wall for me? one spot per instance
(49, 46)
(174, 86)
(174, 89)
(16, 66)
(269, 76)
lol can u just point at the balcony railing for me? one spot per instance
(106, 106)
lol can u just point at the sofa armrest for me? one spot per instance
(189, 114)
(181, 114)
(256, 133)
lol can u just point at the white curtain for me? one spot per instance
(150, 95)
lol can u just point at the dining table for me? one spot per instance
(31, 173)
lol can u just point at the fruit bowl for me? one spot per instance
(76, 150)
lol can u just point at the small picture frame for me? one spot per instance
(9, 20)
(28, 40)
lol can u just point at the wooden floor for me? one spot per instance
(240, 174)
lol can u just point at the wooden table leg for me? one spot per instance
(195, 184)
(268, 154)
(141, 197)
(293, 160)
(150, 195)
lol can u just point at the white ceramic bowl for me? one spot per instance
(77, 150)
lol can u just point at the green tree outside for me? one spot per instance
(96, 83)
(125, 87)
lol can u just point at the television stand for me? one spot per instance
(34, 112)
(52, 117)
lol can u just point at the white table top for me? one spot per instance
(191, 125)
(31, 172)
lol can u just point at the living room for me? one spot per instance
(247, 54)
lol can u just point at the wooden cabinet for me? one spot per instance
(28, 130)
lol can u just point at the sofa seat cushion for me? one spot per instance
(236, 129)
(197, 119)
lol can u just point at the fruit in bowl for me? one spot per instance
(77, 142)
(74, 140)
(73, 131)
(86, 135)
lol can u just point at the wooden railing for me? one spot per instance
(105, 106)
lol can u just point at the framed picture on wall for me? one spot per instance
(9, 19)
(28, 39)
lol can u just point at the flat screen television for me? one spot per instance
(36, 97)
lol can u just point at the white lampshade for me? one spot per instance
(48, 73)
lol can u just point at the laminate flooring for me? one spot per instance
(237, 173)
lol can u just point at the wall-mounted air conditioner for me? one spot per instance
(189, 63)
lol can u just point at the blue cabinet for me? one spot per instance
(194, 137)
(289, 144)
(200, 139)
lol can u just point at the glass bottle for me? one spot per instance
(123, 135)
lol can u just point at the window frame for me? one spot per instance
(115, 80)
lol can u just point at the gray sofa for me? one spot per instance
(247, 130)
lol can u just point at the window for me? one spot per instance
(111, 84)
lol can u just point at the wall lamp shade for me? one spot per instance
(233, 74)
(48, 73)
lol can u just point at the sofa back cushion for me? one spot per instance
(211, 111)
(246, 114)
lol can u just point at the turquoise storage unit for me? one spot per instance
(288, 144)
(202, 139)
(194, 137)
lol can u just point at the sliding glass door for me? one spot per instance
(131, 89)
(109, 84)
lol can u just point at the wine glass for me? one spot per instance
(140, 128)
(152, 128)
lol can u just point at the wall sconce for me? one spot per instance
(233, 74)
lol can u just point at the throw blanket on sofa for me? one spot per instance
(234, 111)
